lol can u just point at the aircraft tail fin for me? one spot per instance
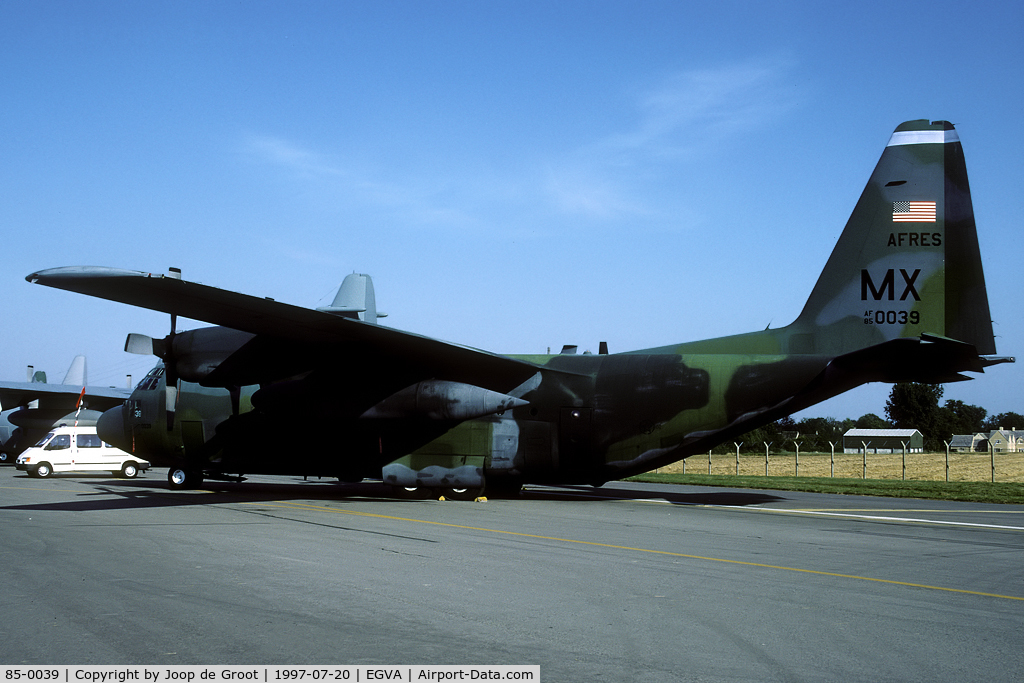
(908, 264)
(77, 373)
(355, 299)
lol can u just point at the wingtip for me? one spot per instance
(72, 272)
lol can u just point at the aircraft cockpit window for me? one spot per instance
(151, 380)
(149, 383)
(59, 442)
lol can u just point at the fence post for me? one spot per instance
(766, 445)
(864, 473)
(709, 461)
(992, 453)
(904, 460)
(947, 459)
(797, 461)
(832, 460)
(737, 456)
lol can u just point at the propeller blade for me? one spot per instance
(139, 343)
(170, 402)
(170, 365)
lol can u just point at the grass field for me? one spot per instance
(1009, 467)
(924, 476)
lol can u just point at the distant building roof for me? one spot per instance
(963, 440)
(886, 433)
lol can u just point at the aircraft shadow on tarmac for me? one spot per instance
(118, 494)
(584, 493)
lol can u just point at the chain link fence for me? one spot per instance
(998, 467)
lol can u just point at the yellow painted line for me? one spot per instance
(305, 506)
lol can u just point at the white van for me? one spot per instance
(77, 449)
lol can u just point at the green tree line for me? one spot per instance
(911, 405)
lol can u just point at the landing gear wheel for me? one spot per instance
(453, 493)
(409, 492)
(44, 470)
(129, 470)
(4, 458)
(180, 478)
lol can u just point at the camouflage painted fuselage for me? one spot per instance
(280, 389)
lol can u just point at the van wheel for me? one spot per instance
(44, 470)
(129, 471)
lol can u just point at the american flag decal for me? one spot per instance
(913, 212)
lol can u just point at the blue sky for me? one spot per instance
(514, 175)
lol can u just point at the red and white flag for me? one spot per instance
(913, 212)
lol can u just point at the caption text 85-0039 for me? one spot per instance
(269, 674)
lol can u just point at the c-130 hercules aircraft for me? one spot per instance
(902, 298)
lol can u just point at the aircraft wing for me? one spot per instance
(307, 328)
(15, 394)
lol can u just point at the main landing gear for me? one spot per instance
(449, 493)
(453, 493)
(180, 478)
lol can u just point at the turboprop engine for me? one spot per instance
(443, 400)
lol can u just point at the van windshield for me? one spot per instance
(45, 439)
(59, 442)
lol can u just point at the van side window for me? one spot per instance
(59, 442)
(89, 441)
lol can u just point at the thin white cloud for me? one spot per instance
(420, 201)
(577, 189)
(296, 158)
(684, 117)
(692, 108)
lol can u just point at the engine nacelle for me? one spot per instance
(442, 400)
(195, 353)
